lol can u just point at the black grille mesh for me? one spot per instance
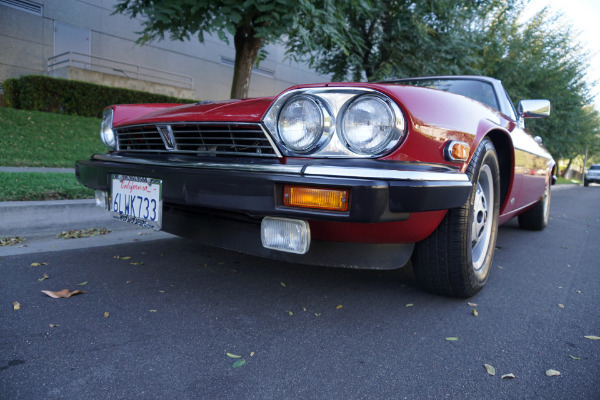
(214, 139)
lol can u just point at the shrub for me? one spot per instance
(63, 96)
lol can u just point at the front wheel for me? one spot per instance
(455, 259)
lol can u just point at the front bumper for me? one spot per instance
(380, 191)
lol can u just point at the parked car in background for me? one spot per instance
(592, 175)
(355, 175)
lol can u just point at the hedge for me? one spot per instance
(63, 96)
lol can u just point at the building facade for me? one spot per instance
(82, 40)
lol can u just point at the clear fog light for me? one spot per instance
(282, 234)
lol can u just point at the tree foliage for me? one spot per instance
(401, 38)
(542, 58)
(251, 23)
(538, 58)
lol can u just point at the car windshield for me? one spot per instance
(595, 167)
(474, 89)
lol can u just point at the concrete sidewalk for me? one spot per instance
(38, 222)
(37, 169)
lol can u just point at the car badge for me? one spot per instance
(166, 133)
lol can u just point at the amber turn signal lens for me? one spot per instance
(458, 151)
(313, 197)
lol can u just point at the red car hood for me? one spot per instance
(251, 110)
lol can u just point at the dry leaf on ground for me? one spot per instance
(37, 264)
(509, 376)
(233, 355)
(62, 293)
(9, 241)
(16, 305)
(592, 337)
(475, 313)
(552, 372)
(338, 307)
(490, 370)
(452, 339)
(239, 363)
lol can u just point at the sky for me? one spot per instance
(584, 16)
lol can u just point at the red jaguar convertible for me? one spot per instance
(355, 175)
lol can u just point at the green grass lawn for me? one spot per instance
(20, 186)
(39, 139)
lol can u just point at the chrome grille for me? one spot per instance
(212, 139)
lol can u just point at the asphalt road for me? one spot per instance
(175, 309)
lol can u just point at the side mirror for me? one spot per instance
(533, 108)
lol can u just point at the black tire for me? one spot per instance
(455, 260)
(586, 183)
(536, 218)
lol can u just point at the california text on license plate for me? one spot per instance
(137, 200)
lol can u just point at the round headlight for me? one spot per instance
(369, 126)
(106, 133)
(300, 124)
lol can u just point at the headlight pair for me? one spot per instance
(336, 122)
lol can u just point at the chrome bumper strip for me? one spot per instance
(306, 170)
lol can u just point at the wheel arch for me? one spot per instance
(506, 162)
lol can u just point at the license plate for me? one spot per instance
(137, 200)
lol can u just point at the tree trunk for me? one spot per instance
(564, 173)
(247, 46)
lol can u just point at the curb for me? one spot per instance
(32, 217)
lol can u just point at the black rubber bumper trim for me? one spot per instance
(259, 193)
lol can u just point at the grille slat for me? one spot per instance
(213, 139)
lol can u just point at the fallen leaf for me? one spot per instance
(82, 233)
(239, 363)
(137, 263)
(128, 282)
(221, 262)
(53, 326)
(16, 305)
(317, 314)
(290, 313)
(233, 355)
(282, 284)
(475, 313)
(452, 339)
(252, 354)
(338, 307)
(592, 337)
(62, 293)
(472, 304)
(304, 309)
(153, 310)
(500, 267)
(37, 264)
(44, 277)
(409, 305)
(561, 305)
(508, 376)
(552, 372)
(490, 370)
(574, 358)
(123, 258)
(82, 283)
(9, 241)
(162, 291)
